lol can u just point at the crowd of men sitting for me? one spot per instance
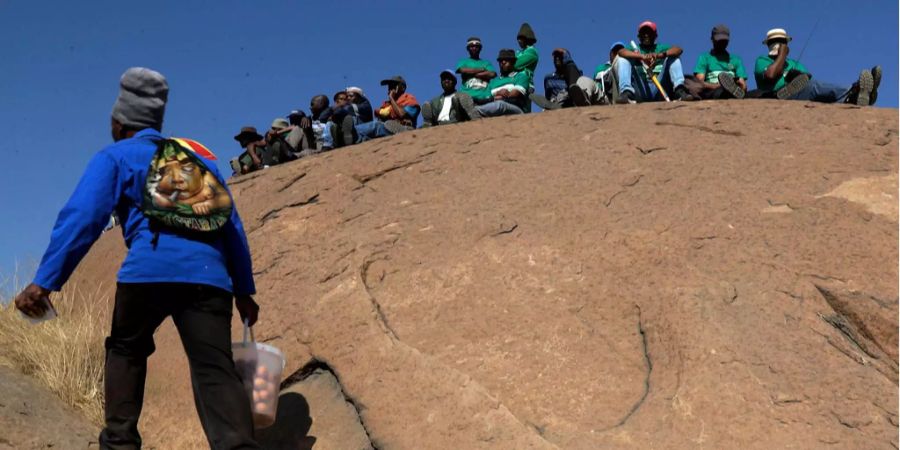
(640, 72)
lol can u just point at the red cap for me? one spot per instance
(647, 23)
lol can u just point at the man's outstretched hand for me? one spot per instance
(31, 301)
(247, 308)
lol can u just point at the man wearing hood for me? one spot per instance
(787, 79)
(526, 59)
(566, 86)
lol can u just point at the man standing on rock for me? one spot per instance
(167, 272)
(787, 79)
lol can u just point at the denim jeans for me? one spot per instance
(819, 91)
(325, 130)
(371, 130)
(670, 78)
(498, 108)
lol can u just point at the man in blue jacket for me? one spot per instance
(166, 273)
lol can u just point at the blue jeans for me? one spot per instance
(327, 139)
(819, 91)
(630, 80)
(498, 108)
(371, 130)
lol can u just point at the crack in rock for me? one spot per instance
(363, 179)
(648, 151)
(702, 128)
(504, 229)
(316, 365)
(648, 364)
(291, 183)
(274, 212)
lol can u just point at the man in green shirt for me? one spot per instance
(475, 73)
(662, 59)
(787, 79)
(605, 75)
(722, 74)
(449, 107)
(510, 89)
(527, 58)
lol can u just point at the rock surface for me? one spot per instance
(686, 275)
(32, 418)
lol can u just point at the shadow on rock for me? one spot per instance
(292, 424)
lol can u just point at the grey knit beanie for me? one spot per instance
(142, 99)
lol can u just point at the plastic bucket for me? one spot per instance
(260, 367)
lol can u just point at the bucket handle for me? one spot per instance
(248, 330)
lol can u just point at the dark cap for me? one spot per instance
(506, 53)
(473, 40)
(397, 79)
(447, 73)
(720, 33)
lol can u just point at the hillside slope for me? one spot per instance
(686, 275)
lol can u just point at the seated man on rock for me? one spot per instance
(662, 60)
(566, 86)
(509, 90)
(449, 107)
(276, 142)
(787, 79)
(721, 73)
(351, 108)
(397, 114)
(605, 75)
(255, 156)
(476, 73)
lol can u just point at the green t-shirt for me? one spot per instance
(763, 63)
(655, 48)
(526, 62)
(710, 66)
(602, 67)
(512, 81)
(475, 87)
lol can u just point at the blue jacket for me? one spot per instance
(114, 182)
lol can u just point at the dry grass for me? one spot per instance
(65, 354)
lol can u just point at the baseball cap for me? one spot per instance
(647, 24)
(721, 33)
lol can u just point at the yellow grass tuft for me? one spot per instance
(65, 354)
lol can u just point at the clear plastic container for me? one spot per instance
(260, 367)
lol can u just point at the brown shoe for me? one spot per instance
(793, 87)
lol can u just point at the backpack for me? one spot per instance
(181, 192)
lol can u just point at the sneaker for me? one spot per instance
(682, 94)
(626, 98)
(468, 106)
(542, 101)
(578, 97)
(876, 81)
(348, 130)
(727, 81)
(865, 85)
(793, 87)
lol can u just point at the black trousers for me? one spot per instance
(202, 315)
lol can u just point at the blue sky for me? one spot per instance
(234, 63)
